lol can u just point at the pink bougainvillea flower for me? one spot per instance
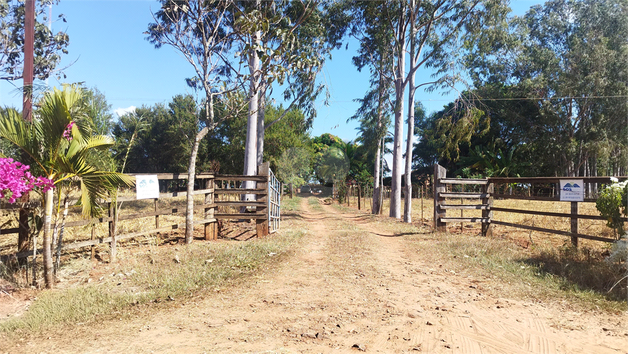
(67, 133)
(16, 180)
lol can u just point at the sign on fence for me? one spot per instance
(147, 187)
(572, 190)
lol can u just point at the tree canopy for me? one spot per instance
(48, 46)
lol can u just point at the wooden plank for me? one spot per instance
(240, 203)
(557, 232)
(543, 199)
(172, 211)
(170, 195)
(262, 225)
(9, 231)
(173, 176)
(241, 178)
(222, 216)
(465, 206)
(439, 173)
(130, 235)
(501, 180)
(448, 219)
(463, 181)
(547, 213)
(464, 195)
(488, 189)
(574, 223)
(241, 191)
(522, 197)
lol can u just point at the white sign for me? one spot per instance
(571, 190)
(147, 187)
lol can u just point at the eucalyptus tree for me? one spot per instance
(375, 52)
(430, 34)
(284, 43)
(202, 32)
(578, 52)
(568, 59)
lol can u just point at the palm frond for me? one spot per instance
(22, 134)
(95, 187)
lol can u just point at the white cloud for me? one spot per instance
(122, 111)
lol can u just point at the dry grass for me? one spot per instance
(154, 275)
(577, 277)
(145, 274)
(536, 265)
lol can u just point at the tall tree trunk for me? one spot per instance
(47, 252)
(594, 174)
(377, 186)
(189, 208)
(407, 210)
(395, 194)
(381, 178)
(189, 211)
(250, 149)
(261, 128)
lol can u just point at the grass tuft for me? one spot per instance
(290, 204)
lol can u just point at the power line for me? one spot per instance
(544, 98)
(508, 99)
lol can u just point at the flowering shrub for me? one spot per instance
(15, 180)
(612, 203)
(67, 133)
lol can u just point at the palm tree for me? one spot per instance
(58, 143)
(333, 166)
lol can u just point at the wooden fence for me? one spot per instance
(484, 193)
(222, 200)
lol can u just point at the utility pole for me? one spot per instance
(27, 107)
(29, 39)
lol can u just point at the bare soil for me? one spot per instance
(353, 286)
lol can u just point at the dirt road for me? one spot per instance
(352, 287)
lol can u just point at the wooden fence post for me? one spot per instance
(93, 237)
(262, 224)
(422, 195)
(211, 228)
(112, 232)
(359, 196)
(574, 223)
(488, 189)
(439, 172)
(156, 216)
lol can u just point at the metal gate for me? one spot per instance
(274, 202)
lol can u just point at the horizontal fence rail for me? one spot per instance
(488, 194)
(218, 204)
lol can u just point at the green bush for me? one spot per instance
(612, 204)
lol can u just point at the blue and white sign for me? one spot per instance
(147, 187)
(571, 190)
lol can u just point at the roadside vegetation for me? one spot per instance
(154, 275)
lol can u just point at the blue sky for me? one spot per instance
(108, 50)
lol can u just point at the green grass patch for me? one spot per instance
(314, 203)
(290, 204)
